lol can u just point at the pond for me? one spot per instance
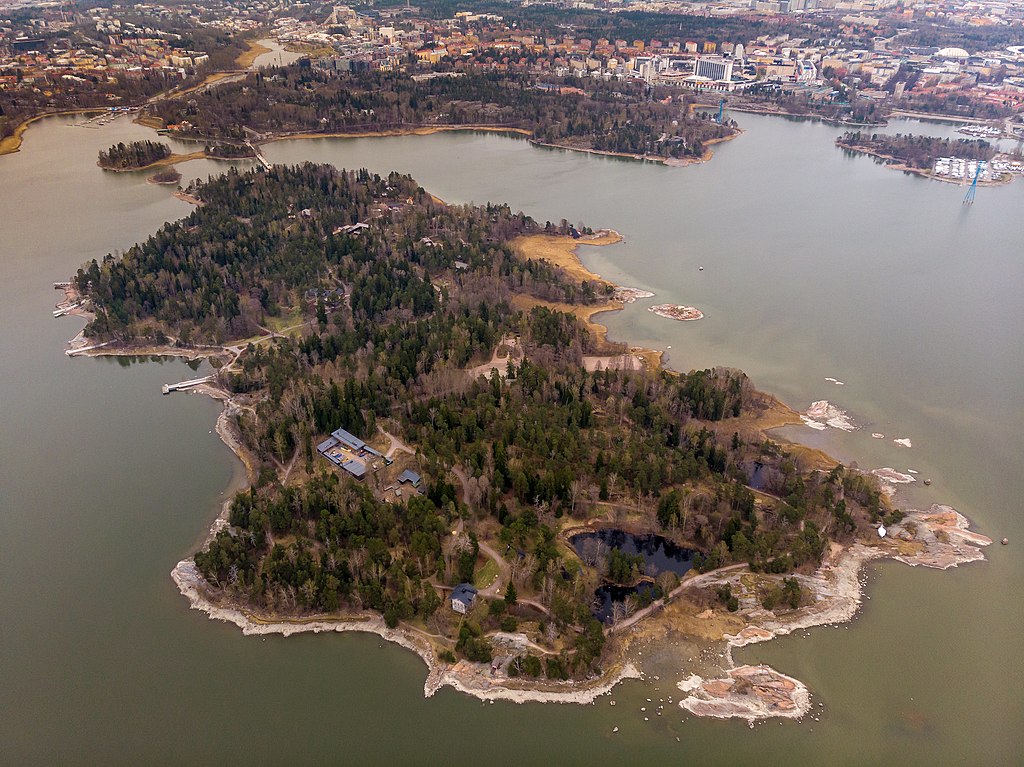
(659, 555)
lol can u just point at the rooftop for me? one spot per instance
(464, 593)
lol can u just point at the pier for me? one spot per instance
(84, 349)
(182, 385)
(62, 310)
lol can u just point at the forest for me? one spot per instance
(135, 154)
(226, 151)
(614, 117)
(394, 313)
(916, 151)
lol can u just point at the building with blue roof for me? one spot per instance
(410, 477)
(349, 440)
(463, 597)
(346, 451)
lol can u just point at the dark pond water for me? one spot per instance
(608, 594)
(758, 476)
(659, 555)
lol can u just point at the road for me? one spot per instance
(396, 445)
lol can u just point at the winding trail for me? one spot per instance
(504, 571)
(686, 585)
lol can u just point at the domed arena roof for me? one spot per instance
(953, 53)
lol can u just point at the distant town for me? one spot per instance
(849, 61)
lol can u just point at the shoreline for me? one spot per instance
(671, 162)
(428, 130)
(562, 251)
(421, 130)
(939, 117)
(247, 58)
(809, 116)
(11, 144)
(938, 537)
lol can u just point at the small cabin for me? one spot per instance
(410, 477)
(463, 597)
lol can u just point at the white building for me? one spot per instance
(714, 68)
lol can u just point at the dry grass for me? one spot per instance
(561, 251)
(149, 121)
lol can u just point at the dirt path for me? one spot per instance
(460, 473)
(504, 572)
(396, 445)
(291, 465)
(686, 585)
(497, 362)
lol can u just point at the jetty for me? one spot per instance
(84, 349)
(182, 385)
(60, 311)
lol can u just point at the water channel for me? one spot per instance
(817, 265)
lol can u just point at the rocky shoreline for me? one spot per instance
(469, 678)
(937, 537)
(677, 312)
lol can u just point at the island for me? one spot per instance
(677, 312)
(168, 176)
(142, 155)
(432, 457)
(134, 155)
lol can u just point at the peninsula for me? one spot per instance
(427, 438)
(944, 159)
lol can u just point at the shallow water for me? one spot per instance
(816, 265)
(277, 56)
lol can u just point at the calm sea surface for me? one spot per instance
(816, 264)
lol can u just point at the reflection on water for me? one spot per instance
(658, 555)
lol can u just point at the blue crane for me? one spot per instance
(969, 197)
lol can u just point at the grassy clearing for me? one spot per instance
(486, 575)
(286, 319)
